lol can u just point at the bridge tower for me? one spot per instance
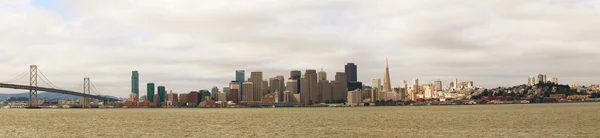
(86, 90)
(33, 93)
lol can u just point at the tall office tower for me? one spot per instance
(456, 84)
(374, 95)
(376, 83)
(240, 76)
(530, 81)
(304, 90)
(415, 89)
(340, 86)
(292, 86)
(311, 76)
(227, 90)
(287, 96)
(281, 86)
(265, 88)
(406, 91)
(325, 91)
(387, 86)
(295, 75)
(150, 91)
(541, 78)
(135, 84)
(351, 73)
(214, 92)
(249, 92)
(256, 77)
(322, 75)
(233, 96)
(162, 92)
(437, 85)
(545, 79)
(276, 87)
(238, 86)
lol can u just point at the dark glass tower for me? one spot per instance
(351, 72)
(295, 75)
(150, 92)
(162, 92)
(240, 76)
(135, 84)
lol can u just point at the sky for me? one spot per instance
(188, 45)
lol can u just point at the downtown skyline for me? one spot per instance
(492, 44)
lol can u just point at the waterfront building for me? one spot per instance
(240, 76)
(287, 96)
(183, 99)
(135, 84)
(249, 92)
(387, 86)
(351, 72)
(276, 86)
(150, 91)
(265, 88)
(233, 96)
(193, 98)
(222, 96)
(172, 100)
(162, 92)
(354, 98)
(256, 77)
(227, 90)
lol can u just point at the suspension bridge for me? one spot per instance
(35, 75)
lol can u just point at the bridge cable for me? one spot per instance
(44, 77)
(94, 88)
(17, 78)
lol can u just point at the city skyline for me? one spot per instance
(492, 45)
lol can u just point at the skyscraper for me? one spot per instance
(437, 85)
(541, 78)
(311, 76)
(240, 76)
(326, 92)
(387, 86)
(214, 92)
(265, 88)
(376, 83)
(295, 75)
(135, 84)
(351, 72)
(150, 92)
(415, 89)
(277, 86)
(340, 86)
(292, 86)
(234, 85)
(456, 84)
(530, 81)
(322, 75)
(256, 77)
(304, 93)
(162, 93)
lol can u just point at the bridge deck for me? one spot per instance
(24, 87)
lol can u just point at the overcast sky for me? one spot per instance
(189, 45)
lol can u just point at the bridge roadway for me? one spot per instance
(24, 87)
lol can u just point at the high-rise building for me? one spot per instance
(415, 89)
(456, 84)
(277, 86)
(172, 100)
(437, 85)
(387, 86)
(214, 92)
(376, 83)
(322, 75)
(530, 81)
(554, 80)
(150, 91)
(351, 72)
(227, 90)
(545, 79)
(541, 78)
(240, 76)
(233, 95)
(295, 75)
(265, 88)
(162, 92)
(304, 90)
(183, 99)
(340, 86)
(256, 77)
(374, 95)
(249, 92)
(311, 75)
(292, 86)
(237, 86)
(135, 84)
(326, 92)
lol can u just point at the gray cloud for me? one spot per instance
(197, 44)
